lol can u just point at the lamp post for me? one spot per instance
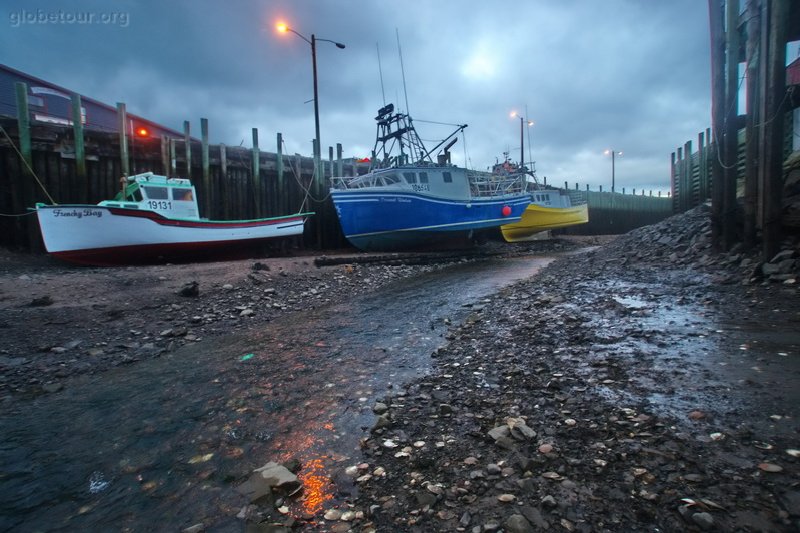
(521, 137)
(613, 154)
(283, 28)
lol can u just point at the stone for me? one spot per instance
(379, 408)
(499, 432)
(493, 470)
(516, 523)
(704, 520)
(381, 422)
(534, 516)
(189, 290)
(263, 480)
(52, 387)
(768, 269)
(197, 528)
(549, 501)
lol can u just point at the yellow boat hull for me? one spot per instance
(537, 218)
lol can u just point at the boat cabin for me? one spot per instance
(550, 198)
(445, 181)
(171, 197)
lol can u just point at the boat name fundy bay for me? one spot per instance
(409, 201)
(152, 219)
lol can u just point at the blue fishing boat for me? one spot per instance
(409, 201)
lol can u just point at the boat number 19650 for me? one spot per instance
(159, 204)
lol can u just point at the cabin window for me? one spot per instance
(410, 177)
(423, 177)
(448, 178)
(156, 193)
(391, 178)
(182, 195)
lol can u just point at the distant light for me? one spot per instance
(513, 114)
(142, 132)
(282, 27)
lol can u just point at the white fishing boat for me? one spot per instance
(153, 218)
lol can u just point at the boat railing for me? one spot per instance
(486, 184)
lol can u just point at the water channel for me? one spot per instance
(161, 445)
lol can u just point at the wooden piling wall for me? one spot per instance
(230, 190)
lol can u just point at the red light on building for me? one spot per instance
(142, 132)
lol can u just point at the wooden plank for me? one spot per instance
(207, 196)
(122, 124)
(282, 192)
(753, 12)
(24, 127)
(26, 178)
(673, 180)
(223, 178)
(173, 158)
(717, 115)
(687, 177)
(81, 181)
(731, 130)
(255, 169)
(187, 150)
(773, 128)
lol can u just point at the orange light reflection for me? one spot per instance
(317, 486)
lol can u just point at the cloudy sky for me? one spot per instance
(632, 75)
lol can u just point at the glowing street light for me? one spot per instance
(613, 153)
(282, 27)
(521, 136)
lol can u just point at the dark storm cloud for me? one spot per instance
(632, 75)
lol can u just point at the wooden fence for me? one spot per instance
(45, 162)
(227, 186)
(615, 213)
(691, 173)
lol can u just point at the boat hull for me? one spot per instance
(380, 221)
(96, 235)
(537, 218)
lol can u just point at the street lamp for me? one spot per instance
(283, 28)
(521, 137)
(613, 154)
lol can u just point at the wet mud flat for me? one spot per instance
(649, 385)
(141, 396)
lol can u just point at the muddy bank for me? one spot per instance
(648, 385)
(60, 321)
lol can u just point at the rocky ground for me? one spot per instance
(59, 321)
(649, 385)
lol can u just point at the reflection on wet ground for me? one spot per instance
(746, 368)
(164, 441)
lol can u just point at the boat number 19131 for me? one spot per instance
(159, 204)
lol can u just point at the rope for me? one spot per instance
(14, 146)
(16, 216)
(307, 190)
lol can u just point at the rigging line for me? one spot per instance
(402, 69)
(380, 71)
(434, 122)
(14, 146)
